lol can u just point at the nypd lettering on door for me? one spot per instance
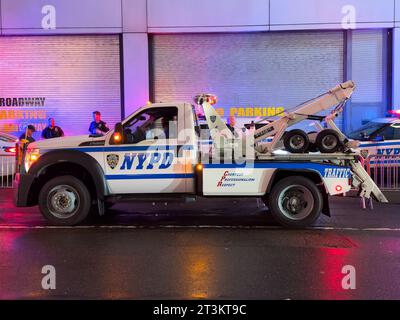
(388, 151)
(141, 161)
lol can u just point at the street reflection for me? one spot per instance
(199, 272)
(330, 263)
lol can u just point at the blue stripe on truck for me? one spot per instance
(149, 176)
(131, 148)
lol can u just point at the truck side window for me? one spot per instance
(152, 124)
(396, 135)
(387, 133)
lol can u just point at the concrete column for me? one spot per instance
(136, 71)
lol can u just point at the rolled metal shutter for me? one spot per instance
(75, 74)
(368, 71)
(247, 69)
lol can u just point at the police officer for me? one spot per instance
(52, 131)
(97, 126)
(231, 124)
(28, 135)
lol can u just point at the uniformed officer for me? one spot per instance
(231, 123)
(52, 131)
(97, 126)
(28, 135)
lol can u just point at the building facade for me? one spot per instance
(65, 59)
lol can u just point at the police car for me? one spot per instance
(7, 154)
(379, 137)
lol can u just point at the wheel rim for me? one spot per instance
(296, 202)
(329, 142)
(297, 142)
(63, 201)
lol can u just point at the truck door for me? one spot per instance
(148, 161)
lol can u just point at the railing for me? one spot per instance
(7, 171)
(384, 170)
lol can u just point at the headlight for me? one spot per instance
(31, 156)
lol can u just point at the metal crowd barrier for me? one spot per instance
(7, 171)
(384, 170)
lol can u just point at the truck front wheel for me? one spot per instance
(64, 201)
(295, 202)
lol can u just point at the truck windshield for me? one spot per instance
(366, 131)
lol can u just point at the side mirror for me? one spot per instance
(118, 135)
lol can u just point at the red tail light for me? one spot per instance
(11, 150)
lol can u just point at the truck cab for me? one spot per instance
(158, 147)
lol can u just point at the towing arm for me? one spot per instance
(307, 110)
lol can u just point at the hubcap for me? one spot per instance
(297, 142)
(329, 142)
(63, 201)
(296, 202)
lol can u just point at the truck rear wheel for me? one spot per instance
(296, 141)
(64, 201)
(295, 202)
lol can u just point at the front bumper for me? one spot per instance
(22, 187)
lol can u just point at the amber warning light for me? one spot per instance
(209, 98)
(117, 137)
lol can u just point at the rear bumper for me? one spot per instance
(22, 187)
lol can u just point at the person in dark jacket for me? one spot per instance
(97, 126)
(52, 131)
(28, 134)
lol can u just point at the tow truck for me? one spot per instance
(155, 154)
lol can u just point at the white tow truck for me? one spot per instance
(155, 154)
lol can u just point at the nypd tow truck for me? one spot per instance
(156, 154)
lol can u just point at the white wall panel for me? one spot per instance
(326, 14)
(397, 13)
(194, 15)
(72, 16)
(134, 15)
(136, 71)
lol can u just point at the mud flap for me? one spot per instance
(325, 207)
(101, 207)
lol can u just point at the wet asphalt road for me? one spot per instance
(216, 249)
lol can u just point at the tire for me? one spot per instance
(296, 141)
(295, 188)
(65, 201)
(328, 141)
(312, 147)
